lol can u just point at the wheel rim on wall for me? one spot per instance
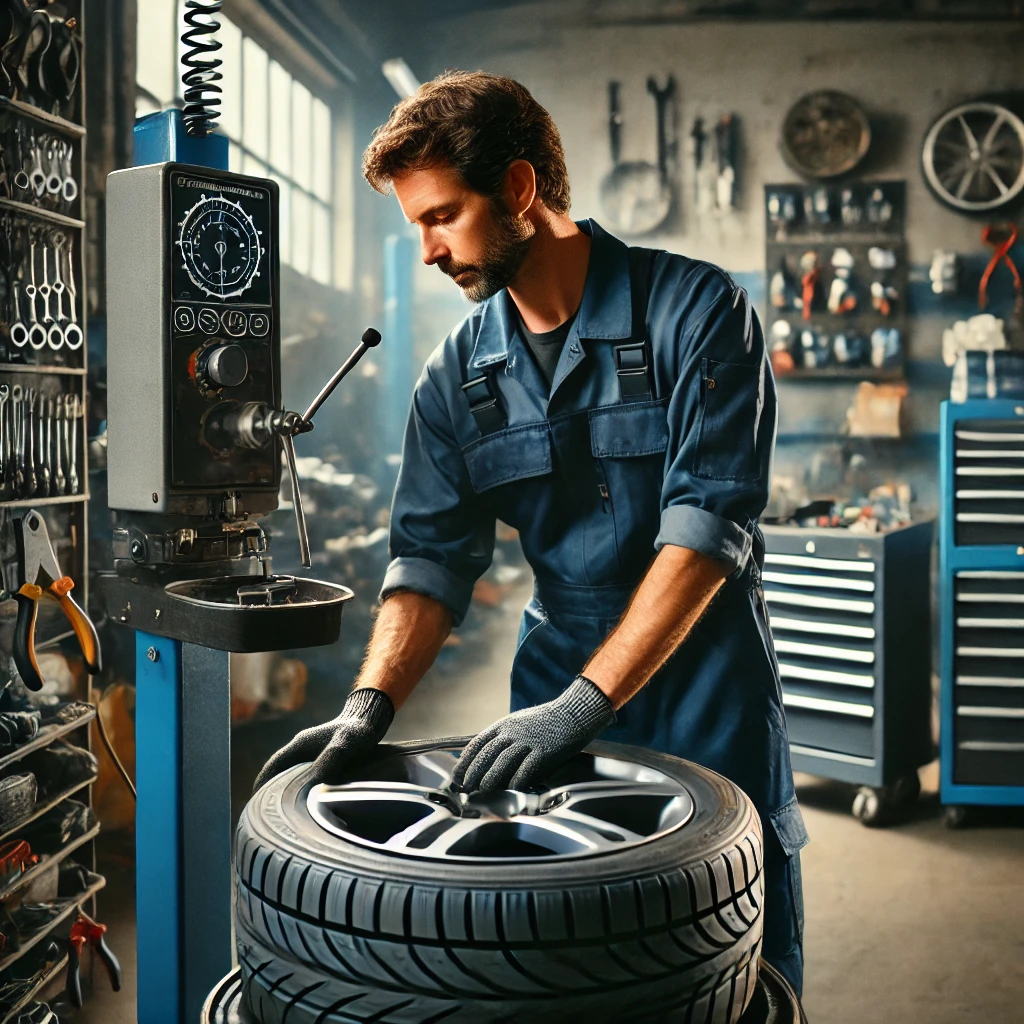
(973, 157)
(594, 805)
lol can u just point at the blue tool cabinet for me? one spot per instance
(981, 599)
(850, 618)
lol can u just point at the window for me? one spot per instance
(276, 129)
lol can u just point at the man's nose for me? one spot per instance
(432, 248)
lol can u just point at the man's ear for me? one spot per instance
(519, 187)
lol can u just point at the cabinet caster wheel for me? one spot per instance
(868, 806)
(905, 791)
(954, 816)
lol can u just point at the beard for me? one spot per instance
(503, 255)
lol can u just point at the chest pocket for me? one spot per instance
(628, 444)
(508, 455)
(628, 430)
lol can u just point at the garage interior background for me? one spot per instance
(912, 921)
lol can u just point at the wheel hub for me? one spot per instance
(405, 805)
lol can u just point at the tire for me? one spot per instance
(330, 931)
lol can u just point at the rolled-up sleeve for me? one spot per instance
(721, 419)
(441, 535)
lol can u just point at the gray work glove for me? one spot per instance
(520, 749)
(363, 721)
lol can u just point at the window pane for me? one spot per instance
(301, 214)
(157, 55)
(234, 157)
(280, 119)
(322, 150)
(231, 99)
(254, 129)
(250, 165)
(285, 218)
(321, 270)
(301, 129)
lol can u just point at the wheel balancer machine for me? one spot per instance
(196, 431)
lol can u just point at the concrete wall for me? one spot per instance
(905, 75)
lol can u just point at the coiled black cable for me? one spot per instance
(202, 94)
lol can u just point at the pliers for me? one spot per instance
(86, 931)
(38, 561)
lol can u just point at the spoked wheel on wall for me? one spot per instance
(973, 157)
(627, 889)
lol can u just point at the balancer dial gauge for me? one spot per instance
(220, 247)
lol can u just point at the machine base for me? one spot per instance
(774, 1002)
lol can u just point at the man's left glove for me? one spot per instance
(521, 748)
(365, 718)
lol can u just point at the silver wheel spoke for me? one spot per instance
(996, 179)
(356, 791)
(965, 183)
(606, 788)
(405, 839)
(588, 825)
(972, 142)
(459, 829)
(990, 135)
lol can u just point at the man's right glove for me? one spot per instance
(363, 721)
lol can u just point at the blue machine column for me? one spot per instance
(183, 737)
(399, 264)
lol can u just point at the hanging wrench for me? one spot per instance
(5, 435)
(55, 335)
(37, 332)
(43, 449)
(18, 427)
(19, 331)
(73, 336)
(30, 443)
(69, 188)
(62, 443)
(44, 288)
(53, 178)
(37, 176)
(76, 413)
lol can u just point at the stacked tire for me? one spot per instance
(331, 931)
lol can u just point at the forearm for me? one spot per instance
(407, 636)
(671, 598)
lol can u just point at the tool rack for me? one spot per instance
(50, 371)
(981, 597)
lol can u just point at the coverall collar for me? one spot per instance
(605, 311)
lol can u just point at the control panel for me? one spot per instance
(193, 341)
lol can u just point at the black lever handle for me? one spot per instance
(370, 339)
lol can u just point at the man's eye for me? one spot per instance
(444, 218)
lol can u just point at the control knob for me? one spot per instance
(221, 366)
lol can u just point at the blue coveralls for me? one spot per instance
(639, 442)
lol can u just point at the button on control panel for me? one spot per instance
(184, 319)
(208, 320)
(235, 323)
(259, 324)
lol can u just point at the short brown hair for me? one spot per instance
(477, 123)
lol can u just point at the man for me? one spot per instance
(616, 407)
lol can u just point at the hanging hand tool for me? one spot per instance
(37, 559)
(85, 931)
(808, 281)
(1002, 238)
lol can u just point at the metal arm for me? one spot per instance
(290, 426)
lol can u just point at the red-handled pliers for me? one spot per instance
(86, 931)
(37, 562)
(1002, 239)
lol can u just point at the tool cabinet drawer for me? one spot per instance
(988, 485)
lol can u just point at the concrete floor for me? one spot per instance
(912, 923)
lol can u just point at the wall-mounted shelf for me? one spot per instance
(41, 809)
(51, 121)
(44, 979)
(853, 373)
(73, 907)
(48, 862)
(40, 368)
(28, 210)
(61, 499)
(46, 735)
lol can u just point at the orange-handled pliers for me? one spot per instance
(1002, 239)
(37, 562)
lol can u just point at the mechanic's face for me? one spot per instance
(474, 239)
